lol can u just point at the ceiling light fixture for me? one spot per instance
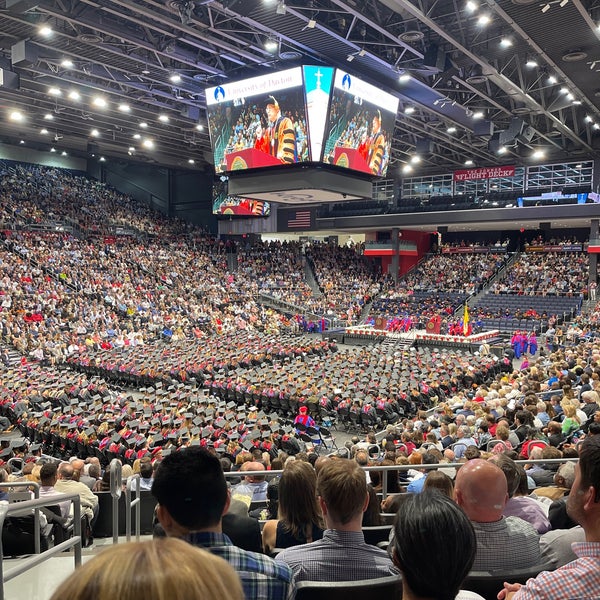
(484, 20)
(16, 115)
(48, 117)
(102, 159)
(596, 126)
(506, 42)
(124, 107)
(53, 149)
(99, 102)
(409, 110)
(199, 127)
(74, 95)
(350, 57)
(451, 129)
(163, 118)
(281, 8)
(552, 80)
(22, 142)
(469, 163)
(136, 136)
(537, 154)
(531, 63)
(67, 63)
(502, 150)
(175, 78)
(404, 77)
(45, 30)
(271, 44)
(563, 3)
(478, 114)
(407, 169)
(143, 124)
(94, 133)
(44, 131)
(471, 6)
(415, 160)
(54, 91)
(148, 143)
(545, 8)
(191, 161)
(63, 153)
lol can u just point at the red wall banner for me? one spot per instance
(484, 173)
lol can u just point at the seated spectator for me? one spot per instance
(254, 487)
(165, 568)
(192, 497)
(342, 554)
(433, 546)
(436, 480)
(299, 519)
(580, 578)
(503, 543)
(520, 504)
(563, 480)
(372, 516)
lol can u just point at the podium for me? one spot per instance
(250, 158)
(350, 158)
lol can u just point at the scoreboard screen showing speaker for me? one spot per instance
(264, 121)
(360, 125)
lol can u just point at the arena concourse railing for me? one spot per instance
(18, 509)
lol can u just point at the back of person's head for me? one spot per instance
(48, 473)
(342, 485)
(439, 481)
(589, 464)
(565, 476)
(65, 471)
(253, 466)
(434, 545)
(511, 471)
(362, 458)
(146, 470)
(191, 485)
(481, 490)
(297, 497)
(161, 569)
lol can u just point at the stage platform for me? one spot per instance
(367, 334)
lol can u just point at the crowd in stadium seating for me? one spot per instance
(127, 314)
(545, 274)
(345, 278)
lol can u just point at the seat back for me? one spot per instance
(389, 588)
(489, 583)
(377, 533)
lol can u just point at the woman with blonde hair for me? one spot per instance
(161, 569)
(300, 520)
(571, 421)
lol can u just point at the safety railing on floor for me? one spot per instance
(133, 482)
(27, 486)
(116, 489)
(18, 508)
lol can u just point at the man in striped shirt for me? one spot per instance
(192, 497)
(580, 578)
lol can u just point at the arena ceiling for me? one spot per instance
(459, 68)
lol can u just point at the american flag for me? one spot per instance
(299, 219)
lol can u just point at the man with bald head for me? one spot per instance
(66, 484)
(254, 487)
(503, 543)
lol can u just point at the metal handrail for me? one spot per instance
(384, 470)
(28, 563)
(129, 504)
(116, 489)
(36, 494)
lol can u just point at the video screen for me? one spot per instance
(239, 206)
(360, 125)
(259, 122)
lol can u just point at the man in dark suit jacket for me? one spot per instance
(244, 531)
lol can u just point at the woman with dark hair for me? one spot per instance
(372, 516)
(434, 547)
(300, 519)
